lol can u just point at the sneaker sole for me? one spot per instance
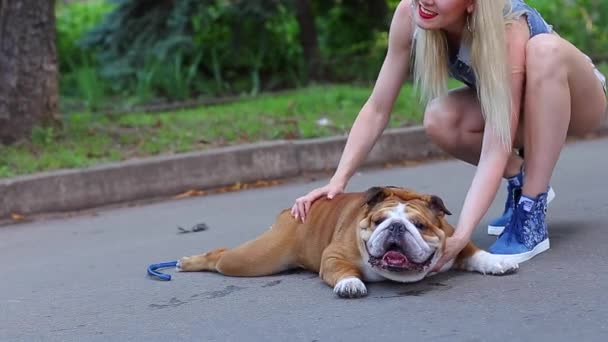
(497, 230)
(519, 258)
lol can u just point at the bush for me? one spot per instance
(582, 22)
(179, 49)
(77, 64)
(148, 50)
(73, 21)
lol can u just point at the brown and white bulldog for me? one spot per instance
(383, 233)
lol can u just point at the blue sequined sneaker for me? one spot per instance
(514, 186)
(526, 234)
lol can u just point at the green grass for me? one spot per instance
(89, 139)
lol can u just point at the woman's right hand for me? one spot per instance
(302, 206)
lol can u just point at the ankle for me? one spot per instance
(532, 193)
(515, 167)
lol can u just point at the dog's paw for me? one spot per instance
(501, 267)
(486, 263)
(181, 263)
(351, 287)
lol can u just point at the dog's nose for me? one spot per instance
(397, 228)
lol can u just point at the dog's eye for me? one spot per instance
(378, 221)
(419, 225)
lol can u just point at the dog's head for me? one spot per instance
(402, 232)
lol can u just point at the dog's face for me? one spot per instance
(402, 232)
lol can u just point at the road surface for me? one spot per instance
(83, 278)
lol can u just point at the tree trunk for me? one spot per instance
(28, 67)
(308, 38)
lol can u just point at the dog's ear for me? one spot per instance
(374, 196)
(377, 194)
(436, 204)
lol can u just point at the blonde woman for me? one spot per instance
(526, 87)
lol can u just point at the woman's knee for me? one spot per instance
(441, 122)
(545, 56)
(451, 119)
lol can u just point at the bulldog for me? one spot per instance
(385, 233)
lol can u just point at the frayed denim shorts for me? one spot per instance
(600, 76)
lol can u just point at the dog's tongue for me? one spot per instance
(396, 259)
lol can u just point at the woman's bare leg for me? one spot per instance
(563, 97)
(454, 122)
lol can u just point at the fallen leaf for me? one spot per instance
(191, 193)
(17, 217)
(236, 186)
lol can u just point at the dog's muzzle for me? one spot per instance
(396, 249)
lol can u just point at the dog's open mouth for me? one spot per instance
(395, 260)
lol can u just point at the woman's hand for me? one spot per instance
(300, 209)
(453, 245)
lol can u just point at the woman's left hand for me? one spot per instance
(453, 246)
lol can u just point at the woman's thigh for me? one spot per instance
(548, 56)
(588, 99)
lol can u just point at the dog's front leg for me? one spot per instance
(342, 275)
(476, 260)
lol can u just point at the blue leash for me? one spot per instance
(161, 276)
(152, 270)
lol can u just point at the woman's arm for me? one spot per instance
(494, 156)
(374, 115)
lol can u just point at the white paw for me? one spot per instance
(178, 266)
(486, 263)
(350, 287)
(502, 267)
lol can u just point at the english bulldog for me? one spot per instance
(385, 233)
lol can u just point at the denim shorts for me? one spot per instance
(460, 67)
(461, 70)
(600, 76)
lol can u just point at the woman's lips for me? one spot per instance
(425, 13)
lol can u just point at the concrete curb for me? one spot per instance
(133, 180)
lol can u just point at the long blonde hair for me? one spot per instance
(485, 32)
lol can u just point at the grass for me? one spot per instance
(88, 139)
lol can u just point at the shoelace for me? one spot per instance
(515, 227)
(514, 193)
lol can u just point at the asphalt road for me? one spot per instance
(83, 278)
